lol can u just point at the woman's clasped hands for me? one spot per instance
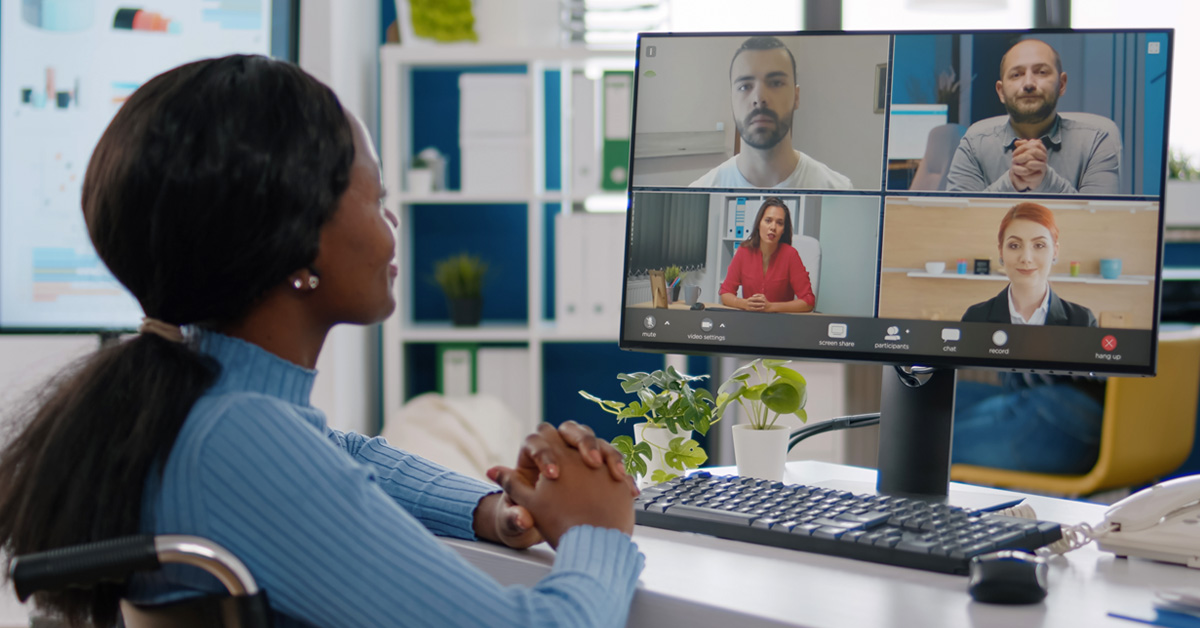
(563, 478)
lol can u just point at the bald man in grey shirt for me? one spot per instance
(1034, 148)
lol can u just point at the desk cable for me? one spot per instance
(1073, 536)
(839, 423)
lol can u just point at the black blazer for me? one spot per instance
(1061, 312)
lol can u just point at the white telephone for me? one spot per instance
(1160, 523)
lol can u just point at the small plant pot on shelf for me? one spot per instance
(420, 181)
(760, 453)
(465, 312)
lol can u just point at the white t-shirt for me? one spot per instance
(809, 173)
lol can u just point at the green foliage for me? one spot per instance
(665, 399)
(635, 455)
(659, 476)
(461, 276)
(443, 20)
(1180, 166)
(765, 389)
(671, 272)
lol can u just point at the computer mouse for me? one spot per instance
(1008, 577)
(697, 306)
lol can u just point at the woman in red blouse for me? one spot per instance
(767, 268)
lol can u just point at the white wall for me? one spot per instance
(339, 44)
(849, 246)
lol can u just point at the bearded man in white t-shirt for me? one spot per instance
(765, 94)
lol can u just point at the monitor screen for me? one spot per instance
(66, 66)
(948, 199)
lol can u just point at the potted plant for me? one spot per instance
(672, 409)
(1183, 190)
(946, 93)
(420, 176)
(461, 280)
(764, 390)
(674, 278)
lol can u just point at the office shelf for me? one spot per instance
(1130, 280)
(397, 64)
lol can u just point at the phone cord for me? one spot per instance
(1073, 536)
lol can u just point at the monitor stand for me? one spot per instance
(916, 428)
(916, 425)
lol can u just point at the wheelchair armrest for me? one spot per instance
(113, 560)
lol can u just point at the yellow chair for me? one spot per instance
(1149, 424)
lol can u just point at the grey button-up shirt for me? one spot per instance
(1083, 157)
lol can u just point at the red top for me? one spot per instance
(786, 277)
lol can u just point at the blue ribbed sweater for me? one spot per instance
(339, 528)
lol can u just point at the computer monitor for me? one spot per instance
(66, 66)
(1047, 179)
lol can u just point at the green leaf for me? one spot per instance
(781, 397)
(661, 476)
(754, 393)
(802, 414)
(636, 456)
(684, 454)
(633, 382)
(613, 407)
(796, 380)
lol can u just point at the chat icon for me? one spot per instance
(950, 334)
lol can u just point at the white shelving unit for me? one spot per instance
(1128, 280)
(396, 65)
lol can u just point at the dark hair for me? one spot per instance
(1057, 59)
(209, 187)
(763, 42)
(772, 201)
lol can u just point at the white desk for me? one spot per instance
(694, 580)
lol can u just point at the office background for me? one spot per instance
(333, 47)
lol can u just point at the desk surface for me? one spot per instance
(695, 580)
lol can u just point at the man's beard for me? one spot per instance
(764, 140)
(1049, 102)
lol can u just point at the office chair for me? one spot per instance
(939, 152)
(809, 249)
(1147, 431)
(114, 560)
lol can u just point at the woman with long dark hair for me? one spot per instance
(242, 207)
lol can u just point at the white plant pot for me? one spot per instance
(420, 181)
(660, 442)
(760, 453)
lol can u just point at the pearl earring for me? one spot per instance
(296, 283)
(313, 282)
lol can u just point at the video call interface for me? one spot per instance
(986, 199)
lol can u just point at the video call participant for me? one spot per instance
(1034, 148)
(765, 98)
(768, 268)
(1030, 422)
(235, 197)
